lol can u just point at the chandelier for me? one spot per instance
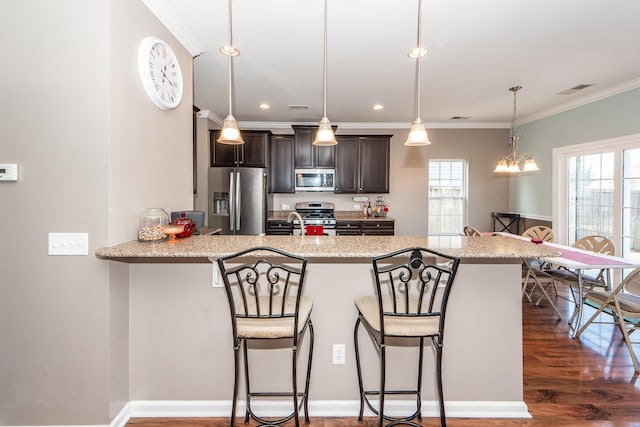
(511, 163)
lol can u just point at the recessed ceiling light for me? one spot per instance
(417, 52)
(229, 51)
(378, 107)
(264, 106)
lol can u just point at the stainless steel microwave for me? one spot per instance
(315, 179)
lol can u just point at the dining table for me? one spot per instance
(579, 261)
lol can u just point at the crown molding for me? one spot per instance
(206, 114)
(169, 19)
(587, 99)
(375, 125)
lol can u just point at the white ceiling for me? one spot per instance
(477, 50)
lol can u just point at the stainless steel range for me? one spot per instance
(317, 213)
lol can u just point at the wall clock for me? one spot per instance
(160, 73)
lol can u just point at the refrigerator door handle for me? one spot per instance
(238, 199)
(232, 199)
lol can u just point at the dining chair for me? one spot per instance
(264, 288)
(538, 279)
(412, 291)
(594, 243)
(623, 304)
(539, 232)
(470, 231)
(533, 270)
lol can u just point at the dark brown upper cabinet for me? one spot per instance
(281, 173)
(309, 156)
(373, 163)
(346, 178)
(362, 164)
(253, 153)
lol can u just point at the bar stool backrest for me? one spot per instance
(414, 284)
(263, 283)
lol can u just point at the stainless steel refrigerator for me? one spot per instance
(238, 200)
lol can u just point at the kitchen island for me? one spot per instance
(180, 358)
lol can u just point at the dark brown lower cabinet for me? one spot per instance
(279, 228)
(348, 228)
(378, 228)
(368, 227)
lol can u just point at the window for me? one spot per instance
(597, 191)
(590, 201)
(447, 196)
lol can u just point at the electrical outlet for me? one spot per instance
(286, 206)
(68, 244)
(357, 207)
(339, 354)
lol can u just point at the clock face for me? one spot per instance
(160, 73)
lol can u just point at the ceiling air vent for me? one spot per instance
(298, 107)
(574, 89)
(459, 117)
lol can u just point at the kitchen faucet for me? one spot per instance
(296, 214)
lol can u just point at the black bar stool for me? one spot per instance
(264, 288)
(412, 291)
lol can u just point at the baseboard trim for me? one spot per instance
(323, 408)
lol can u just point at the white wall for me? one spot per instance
(94, 152)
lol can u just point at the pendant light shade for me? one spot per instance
(418, 134)
(325, 135)
(230, 133)
(510, 164)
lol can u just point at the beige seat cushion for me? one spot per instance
(629, 303)
(281, 327)
(400, 326)
(571, 277)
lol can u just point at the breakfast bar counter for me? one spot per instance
(180, 343)
(318, 248)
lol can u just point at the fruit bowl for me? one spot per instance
(171, 230)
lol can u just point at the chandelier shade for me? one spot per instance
(512, 163)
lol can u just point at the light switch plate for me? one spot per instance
(216, 277)
(68, 244)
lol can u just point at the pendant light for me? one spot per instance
(418, 134)
(510, 164)
(230, 134)
(325, 135)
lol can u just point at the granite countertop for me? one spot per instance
(201, 248)
(340, 215)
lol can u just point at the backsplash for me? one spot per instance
(342, 202)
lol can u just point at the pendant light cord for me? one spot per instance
(419, 56)
(325, 62)
(230, 62)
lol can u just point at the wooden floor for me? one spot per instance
(584, 382)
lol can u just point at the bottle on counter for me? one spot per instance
(369, 211)
(150, 225)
